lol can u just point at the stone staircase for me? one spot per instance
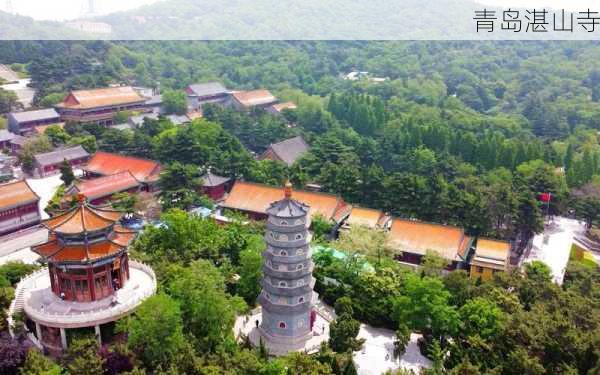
(588, 243)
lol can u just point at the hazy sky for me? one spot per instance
(574, 5)
(68, 9)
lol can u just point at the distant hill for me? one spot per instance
(308, 19)
(13, 27)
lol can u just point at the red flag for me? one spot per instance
(545, 197)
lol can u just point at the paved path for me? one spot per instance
(553, 247)
(24, 93)
(376, 356)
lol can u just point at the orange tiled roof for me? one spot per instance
(255, 97)
(82, 218)
(104, 97)
(491, 253)
(256, 198)
(281, 106)
(106, 185)
(367, 217)
(15, 194)
(57, 251)
(417, 237)
(104, 163)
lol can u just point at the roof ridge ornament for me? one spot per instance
(287, 190)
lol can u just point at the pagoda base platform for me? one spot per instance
(246, 326)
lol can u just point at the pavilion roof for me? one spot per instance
(254, 98)
(82, 218)
(367, 217)
(491, 253)
(106, 185)
(56, 250)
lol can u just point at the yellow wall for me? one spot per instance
(485, 275)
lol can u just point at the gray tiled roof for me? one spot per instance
(208, 89)
(290, 150)
(178, 119)
(212, 180)
(154, 100)
(38, 115)
(55, 157)
(139, 119)
(5, 135)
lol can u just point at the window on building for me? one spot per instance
(283, 222)
(300, 266)
(301, 300)
(300, 252)
(300, 282)
(282, 284)
(282, 325)
(283, 253)
(479, 269)
(298, 236)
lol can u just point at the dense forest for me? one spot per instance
(460, 133)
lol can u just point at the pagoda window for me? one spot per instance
(300, 252)
(300, 282)
(283, 222)
(283, 253)
(282, 237)
(282, 325)
(299, 222)
(283, 284)
(298, 236)
(301, 300)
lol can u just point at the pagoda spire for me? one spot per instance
(287, 190)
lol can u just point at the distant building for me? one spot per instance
(203, 93)
(413, 239)
(5, 138)
(214, 186)
(247, 100)
(138, 121)
(23, 123)
(17, 143)
(99, 190)
(253, 199)
(154, 104)
(49, 163)
(178, 119)
(277, 109)
(147, 172)
(19, 207)
(490, 256)
(90, 27)
(288, 151)
(6, 168)
(99, 105)
(367, 217)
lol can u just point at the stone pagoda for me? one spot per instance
(287, 298)
(90, 280)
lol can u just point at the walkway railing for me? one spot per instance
(83, 317)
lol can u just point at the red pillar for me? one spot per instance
(91, 286)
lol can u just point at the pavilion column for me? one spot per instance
(63, 338)
(98, 334)
(38, 332)
(91, 286)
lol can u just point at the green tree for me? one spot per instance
(66, 173)
(208, 311)
(482, 317)
(174, 102)
(38, 364)
(82, 357)
(250, 271)
(366, 241)
(57, 135)
(433, 264)
(125, 202)
(155, 332)
(343, 332)
(8, 101)
(424, 305)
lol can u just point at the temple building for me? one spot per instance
(287, 151)
(49, 163)
(100, 105)
(204, 93)
(147, 172)
(23, 123)
(253, 199)
(287, 297)
(19, 207)
(214, 186)
(90, 280)
(490, 256)
(248, 100)
(412, 240)
(100, 190)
